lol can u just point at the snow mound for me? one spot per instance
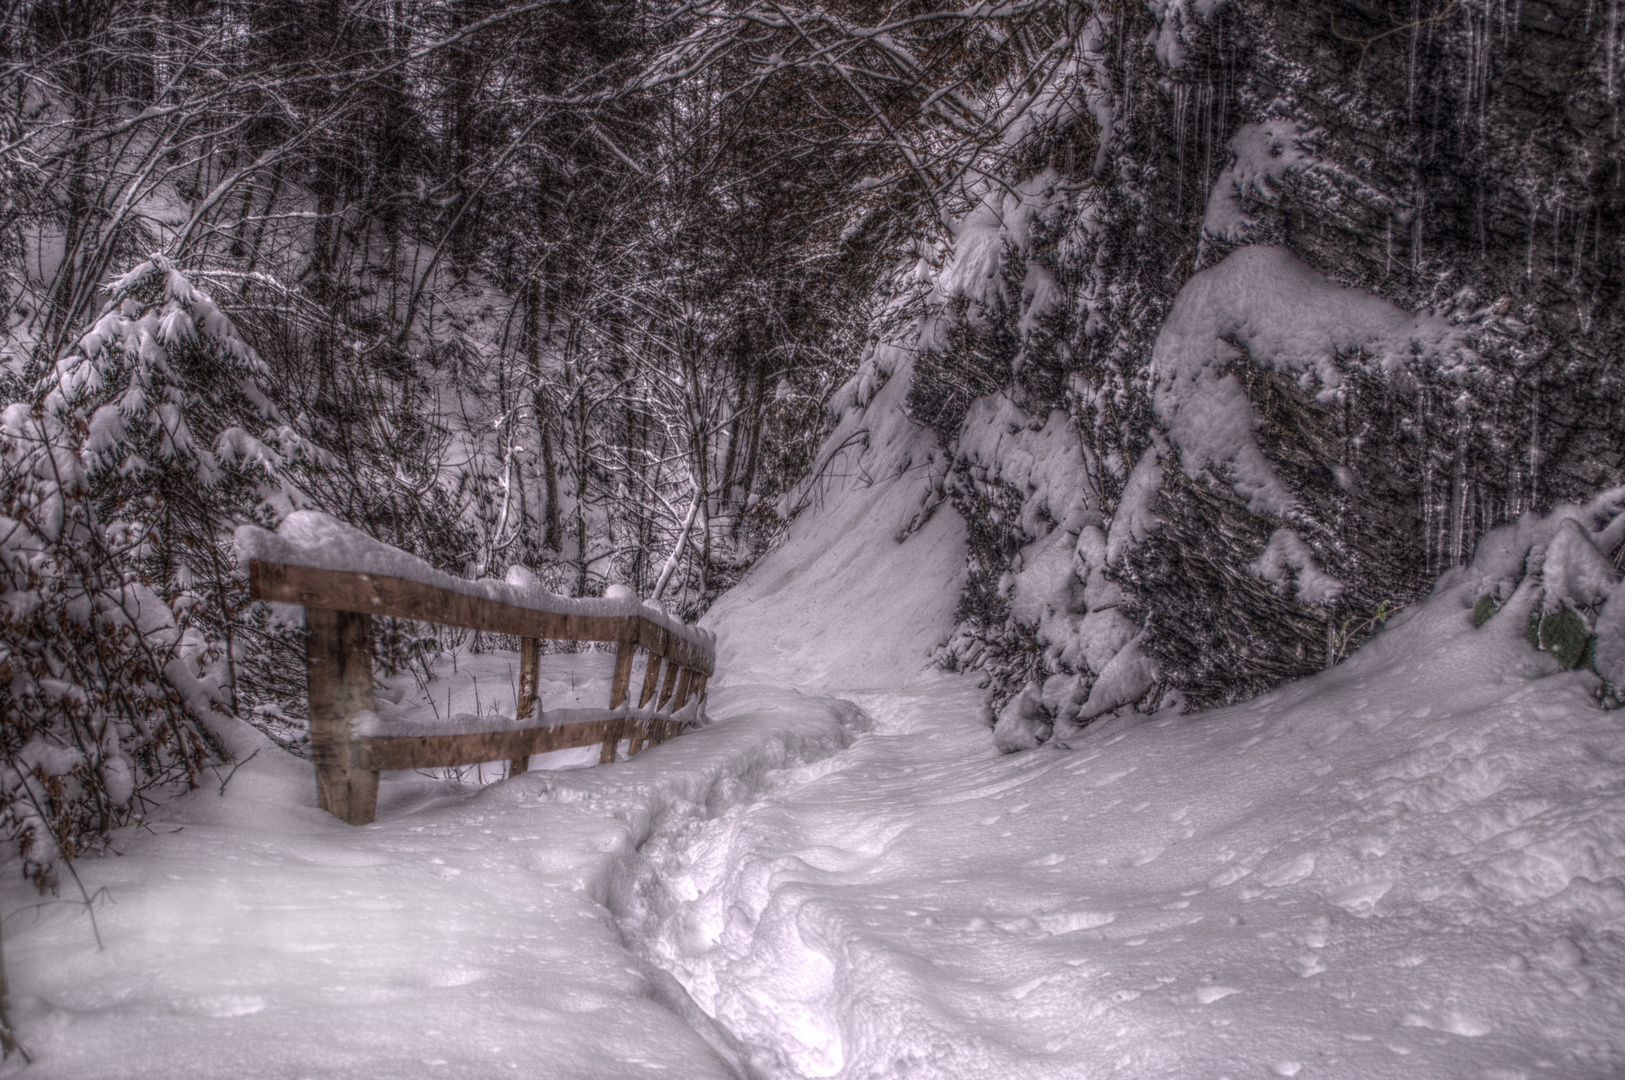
(1262, 305)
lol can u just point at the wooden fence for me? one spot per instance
(339, 607)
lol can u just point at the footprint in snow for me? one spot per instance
(1207, 995)
(1454, 1022)
(1290, 872)
(1360, 897)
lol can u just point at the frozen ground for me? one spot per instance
(1412, 865)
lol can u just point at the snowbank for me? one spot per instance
(250, 934)
(1411, 865)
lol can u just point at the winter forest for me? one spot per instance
(1096, 524)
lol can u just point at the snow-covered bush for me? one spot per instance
(102, 682)
(120, 484)
(1556, 574)
(179, 438)
(182, 443)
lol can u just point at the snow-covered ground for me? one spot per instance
(1411, 865)
(464, 934)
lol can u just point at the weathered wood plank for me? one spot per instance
(379, 594)
(472, 748)
(651, 680)
(612, 736)
(530, 667)
(338, 670)
(671, 684)
(621, 683)
(683, 684)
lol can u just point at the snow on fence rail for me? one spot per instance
(343, 578)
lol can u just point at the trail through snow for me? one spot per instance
(462, 935)
(1410, 866)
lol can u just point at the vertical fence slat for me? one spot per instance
(530, 664)
(619, 689)
(671, 684)
(683, 684)
(651, 680)
(612, 736)
(338, 668)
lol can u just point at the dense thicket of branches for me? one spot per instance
(561, 283)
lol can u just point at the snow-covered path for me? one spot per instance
(1410, 867)
(464, 934)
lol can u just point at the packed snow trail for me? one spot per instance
(1412, 865)
(462, 935)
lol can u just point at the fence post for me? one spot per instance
(683, 684)
(338, 669)
(530, 657)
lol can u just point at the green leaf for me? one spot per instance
(1564, 635)
(1484, 610)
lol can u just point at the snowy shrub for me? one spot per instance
(122, 481)
(179, 438)
(103, 683)
(1556, 573)
(181, 443)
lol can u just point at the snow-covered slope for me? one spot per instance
(1409, 865)
(861, 593)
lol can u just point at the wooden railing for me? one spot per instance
(339, 607)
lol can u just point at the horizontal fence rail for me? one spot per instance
(339, 607)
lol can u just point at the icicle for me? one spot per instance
(1410, 78)
(1427, 487)
(1557, 238)
(1612, 46)
(1579, 253)
(1458, 503)
(1416, 235)
(1182, 95)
